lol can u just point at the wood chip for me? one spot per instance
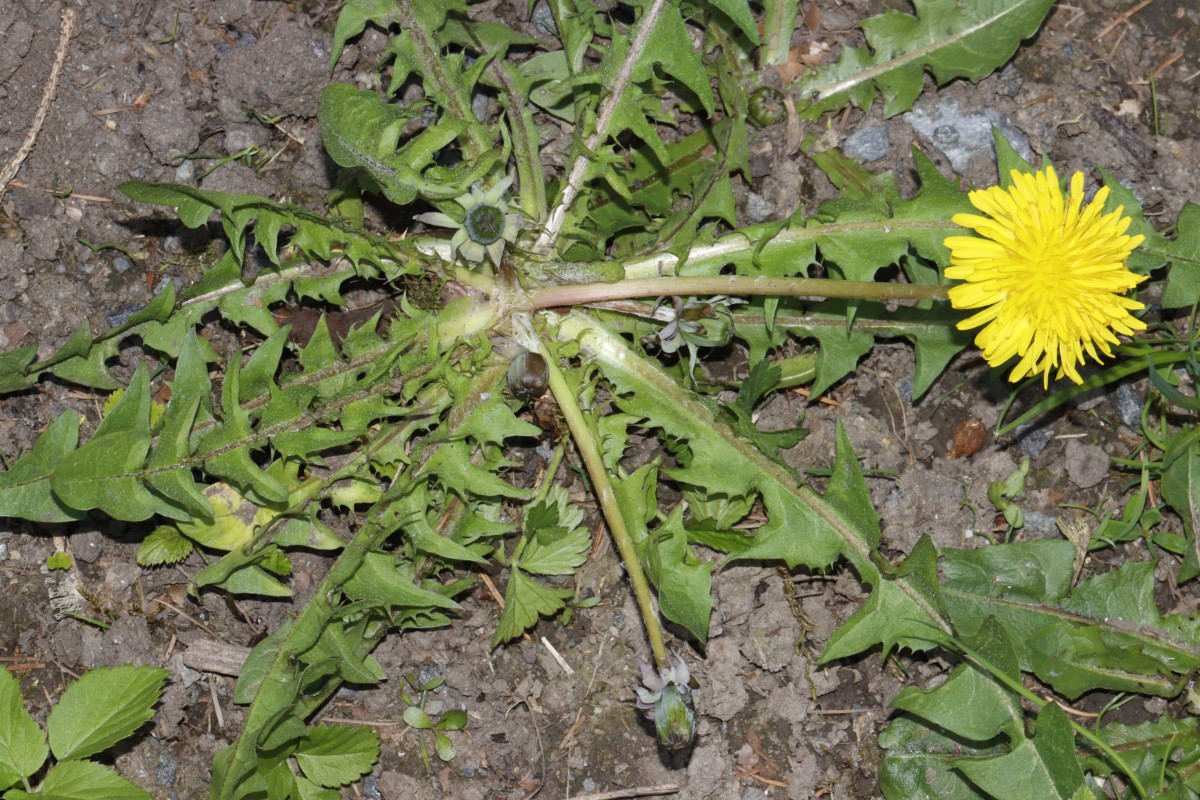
(222, 658)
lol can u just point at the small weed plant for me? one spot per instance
(417, 718)
(585, 281)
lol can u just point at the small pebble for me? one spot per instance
(243, 137)
(480, 106)
(122, 263)
(1086, 464)
(1040, 526)
(167, 770)
(1033, 440)
(185, 171)
(543, 18)
(1129, 406)
(3, 551)
(868, 144)
(370, 787)
(121, 315)
(961, 135)
(758, 208)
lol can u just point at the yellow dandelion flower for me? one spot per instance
(1048, 273)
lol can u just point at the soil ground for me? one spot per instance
(147, 83)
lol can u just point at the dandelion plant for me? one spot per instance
(577, 271)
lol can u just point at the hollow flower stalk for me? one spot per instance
(1048, 273)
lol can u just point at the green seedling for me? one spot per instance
(104, 707)
(416, 717)
(58, 560)
(575, 604)
(1002, 494)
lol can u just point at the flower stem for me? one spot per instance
(568, 402)
(733, 285)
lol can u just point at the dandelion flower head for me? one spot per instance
(1048, 273)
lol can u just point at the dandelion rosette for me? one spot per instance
(1048, 272)
(487, 225)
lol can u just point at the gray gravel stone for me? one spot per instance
(1129, 406)
(868, 144)
(543, 18)
(1040, 526)
(167, 769)
(963, 136)
(1086, 464)
(86, 547)
(241, 137)
(1033, 440)
(758, 208)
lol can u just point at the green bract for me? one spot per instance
(486, 226)
(668, 697)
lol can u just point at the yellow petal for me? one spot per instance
(1047, 274)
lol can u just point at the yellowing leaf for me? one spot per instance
(234, 520)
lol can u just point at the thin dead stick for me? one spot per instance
(60, 58)
(575, 180)
(216, 702)
(74, 195)
(1121, 18)
(620, 794)
(562, 662)
(1164, 65)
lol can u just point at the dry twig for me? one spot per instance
(575, 178)
(640, 791)
(1121, 18)
(60, 58)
